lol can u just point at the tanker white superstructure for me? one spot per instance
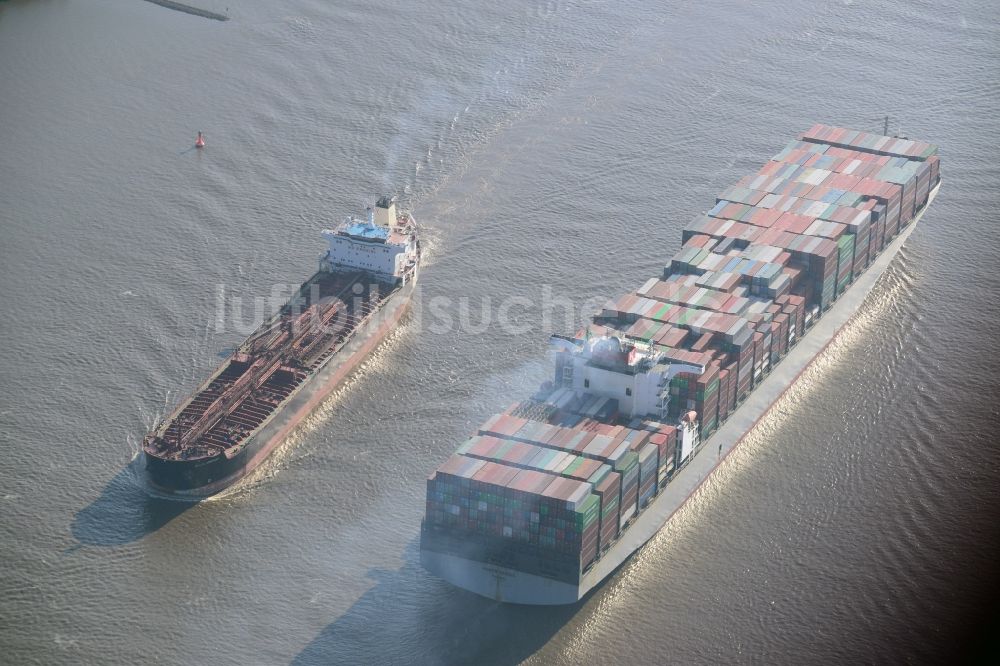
(385, 244)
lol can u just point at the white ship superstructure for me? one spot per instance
(384, 244)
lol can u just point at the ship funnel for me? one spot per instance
(385, 212)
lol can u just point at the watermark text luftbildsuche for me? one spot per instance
(542, 311)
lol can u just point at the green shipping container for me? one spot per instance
(842, 287)
(588, 512)
(627, 462)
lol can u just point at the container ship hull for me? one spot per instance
(548, 499)
(206, 477)
(518, 587)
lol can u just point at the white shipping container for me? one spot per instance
(626, 515)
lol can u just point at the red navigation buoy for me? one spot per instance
(200, 141)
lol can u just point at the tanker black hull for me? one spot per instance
(187, 475)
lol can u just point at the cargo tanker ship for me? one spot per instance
(279, 374)
(546, 500)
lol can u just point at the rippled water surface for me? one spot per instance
(557, 143)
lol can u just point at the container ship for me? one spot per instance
(547, 499)
(281, 372)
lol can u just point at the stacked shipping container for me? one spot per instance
(752, 275)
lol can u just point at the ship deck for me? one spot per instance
(222, 415)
